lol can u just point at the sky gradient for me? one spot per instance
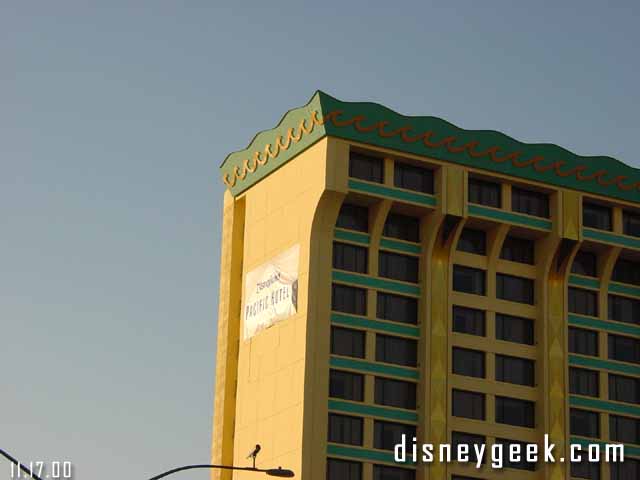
(114, 118)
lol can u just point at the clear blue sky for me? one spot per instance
(113, 121)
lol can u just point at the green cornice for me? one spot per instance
(433, 137)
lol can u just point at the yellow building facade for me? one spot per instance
(456, 286)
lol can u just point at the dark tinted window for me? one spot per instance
(345, 429)
(624, 389)
(402, 227)
(397, 308)
(384, 472)
(624, 429)
(346, 385)
(585, 263)
(585, 469)
(347, 342)
(531, 203)
(349, 299)
(630, 468)
(515, 370)
(413, 178)
(386, 435)
(624, 349)
(468, 404)
(349, 257)
(398, 267)
(469, 280)
(353, 217)
(522, 463)
(583, 302)
(401, 351)
(584, 382)
(395, 393)
(584, 342)
(484, 193)
(517, 249)
(469, 320)
(460, 438)
(514, 329)
(627, 271)
(596, 216)
(631, 224)
(514, 411)
(624, 309)
(514, 289)
(473, 241)
(365, 167)
(584, 423)
(468, 362)
(343, 469)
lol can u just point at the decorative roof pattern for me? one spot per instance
(432, 137)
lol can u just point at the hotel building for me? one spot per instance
(453, 285)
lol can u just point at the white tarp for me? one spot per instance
(271, 292)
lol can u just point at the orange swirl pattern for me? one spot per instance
(427, 138)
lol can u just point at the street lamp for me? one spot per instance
(273, 472)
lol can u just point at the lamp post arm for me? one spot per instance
(19, 465)
(269, 471)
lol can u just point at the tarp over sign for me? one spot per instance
(271, 292)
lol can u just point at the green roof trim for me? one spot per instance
(426, 136)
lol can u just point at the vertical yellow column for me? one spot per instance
(228, 334)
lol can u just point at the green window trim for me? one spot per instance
(376, 282)
(393, 193)
(510, 217)
(578, 281)
(365, 454)
(624, 289)
(377, 368)
(579, 361)
(604, 405)
(378, 325)
(629, 450)
(606, 325)
(373, 411)
(404, 247)
(349, 236)
(609, 237)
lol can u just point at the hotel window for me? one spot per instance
(515, 370)
(584, 382)
(460, 477)
(346, 385)
(347, 342)
(348, 299)
(384, 472)
(514, 329)
(484, 193)
(583, 342)
(469, 320)
(624, 389)
(386, 435)
(468, 362)
(513, 411)
(469, 280)
(522, 464)
(585, 263)
(630, 468)
(518, 250)
(395, 393)
(398, 267)
(353, 217)
(624, 349)
(402, 227)
(468, 404)
(631, 224)
(366, 167)
(514, 289)
(413, 178)
(397, 308)
(624, 309)
(401, 351)
(349, 257)
(462, 438)
(585, 469)
(345, 429)
(531, 203)
(624, 429)
(584, 423)
(473, 241)
(626, 271)
(583, 302)
(596, 216)
(343, 469)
